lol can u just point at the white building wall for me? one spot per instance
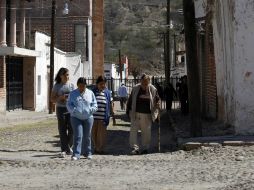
(73, 63)
(70, 61)
(244, 66)
(233, 42)
(41, 100)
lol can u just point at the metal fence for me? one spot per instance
(114, 84)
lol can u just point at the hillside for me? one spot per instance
(134, 27)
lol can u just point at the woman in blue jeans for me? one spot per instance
(82, 104)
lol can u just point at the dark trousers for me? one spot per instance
(123, 102)
(184, 106)
(169, 104)
(64, 129)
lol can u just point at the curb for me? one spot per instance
(195, 145)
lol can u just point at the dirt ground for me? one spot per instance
(28, 160)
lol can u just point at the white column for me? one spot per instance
(22, 24)
(13, 42)
(3, 23)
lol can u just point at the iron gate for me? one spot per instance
(14, 83)
(114, 84)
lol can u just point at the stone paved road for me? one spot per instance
(28, 160)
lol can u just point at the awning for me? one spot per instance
(16, 51)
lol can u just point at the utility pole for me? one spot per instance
(52, 45)
(167, 63)
(192, 67)
(175, 58)
(165, 49)
(120, 65)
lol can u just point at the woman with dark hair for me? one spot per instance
(82, 104)
(102, 116)
(59, 95)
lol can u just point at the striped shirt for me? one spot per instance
(102, 102)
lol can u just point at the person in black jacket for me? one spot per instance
(169, 94)
(183, 95)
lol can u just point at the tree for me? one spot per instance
(192, 67)
(134, 67)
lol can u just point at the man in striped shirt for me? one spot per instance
(102, 115)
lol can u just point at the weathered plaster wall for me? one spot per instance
(244, 66)
(234, 41)
(200, 8)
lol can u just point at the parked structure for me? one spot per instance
(226, 61)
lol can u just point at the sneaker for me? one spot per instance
(70, 152)
(62, 155)
(89, 157)
(134, 152)
(74, 158)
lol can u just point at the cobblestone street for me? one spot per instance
(28, 160)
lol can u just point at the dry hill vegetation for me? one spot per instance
(134, 26)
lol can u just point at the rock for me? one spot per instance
(205, 148)
(239, 158)
(215, 145)
(180, 152)
(195, 153)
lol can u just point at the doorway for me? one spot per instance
(14, 83)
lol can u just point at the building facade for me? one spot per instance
(21, 61)
(73, 32)
(229, 59)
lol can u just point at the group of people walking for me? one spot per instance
(83, 114)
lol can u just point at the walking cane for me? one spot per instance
(159, 132)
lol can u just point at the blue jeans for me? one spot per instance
(82, 136)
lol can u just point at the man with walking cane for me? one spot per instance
(143, 109)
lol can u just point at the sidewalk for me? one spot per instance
(214, 134)
(23, 116)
